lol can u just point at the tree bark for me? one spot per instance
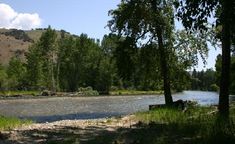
(226, 56)
(164, 70)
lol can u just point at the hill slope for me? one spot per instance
(16, 42)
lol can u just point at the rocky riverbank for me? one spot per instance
(68, 131)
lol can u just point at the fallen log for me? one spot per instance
(176, 104)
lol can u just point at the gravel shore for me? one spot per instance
(64, 130)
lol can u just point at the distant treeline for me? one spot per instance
(68, 63)
(204, 80)
(209, 80)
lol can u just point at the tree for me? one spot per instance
(187, 48)
(16, 74)
(33, 68)
(82, 63)
(47, 47)
(204, 80)
(41, 60)
(108, 67)
(194, 15)
(3, 78)
(151, 21)
(148, 72)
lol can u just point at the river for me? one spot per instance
(61, 108)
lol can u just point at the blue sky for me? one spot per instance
(75, 16)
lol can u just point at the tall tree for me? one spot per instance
(151, 21)
(41, 60)
(195, 15)
(33, 68)
(47, 46)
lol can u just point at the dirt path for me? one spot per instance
(66, 131)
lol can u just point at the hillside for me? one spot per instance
(16, 42)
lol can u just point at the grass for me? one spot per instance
(12, 93)
(134, 92)
(7, 123)
(197, 125)
(85, 93)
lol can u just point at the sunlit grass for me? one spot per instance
(196, 125)
(11, 93)
(134, 92)
(7, 123)
(172, 115)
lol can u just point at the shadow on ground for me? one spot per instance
(80, 116)
(152, 133)
(60, 135)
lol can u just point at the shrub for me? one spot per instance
(214, 87)
(87, 91)
(19, 34)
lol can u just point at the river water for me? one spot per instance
(61, 108)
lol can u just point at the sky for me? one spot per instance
(74, 16)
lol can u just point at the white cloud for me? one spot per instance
(9, 18)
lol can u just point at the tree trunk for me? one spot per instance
(57, 75)
(53, 88)
(225, 73)
(164, 70)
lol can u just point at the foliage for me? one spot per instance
(218, 65)
(204, 80)
(82, 63)
(214, 87)
(67, 63)
(146, 23)
(73, 62)
(195, 16)
(150, 53)
(87, 91)
(3, 78)
(18, 34)
(40, 61)
(189, 45)
(16, 72)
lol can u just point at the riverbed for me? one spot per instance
(70, 108)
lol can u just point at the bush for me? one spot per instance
(19, 34)
(114, 88)
(214, 87)
(87, 91)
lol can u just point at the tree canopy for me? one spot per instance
(195, 16)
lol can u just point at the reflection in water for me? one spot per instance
(60, 108)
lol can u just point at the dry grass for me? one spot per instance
(9, 46)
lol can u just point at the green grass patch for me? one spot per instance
(7, 123)
(13, 93)
(196, 125)
(134, 92)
